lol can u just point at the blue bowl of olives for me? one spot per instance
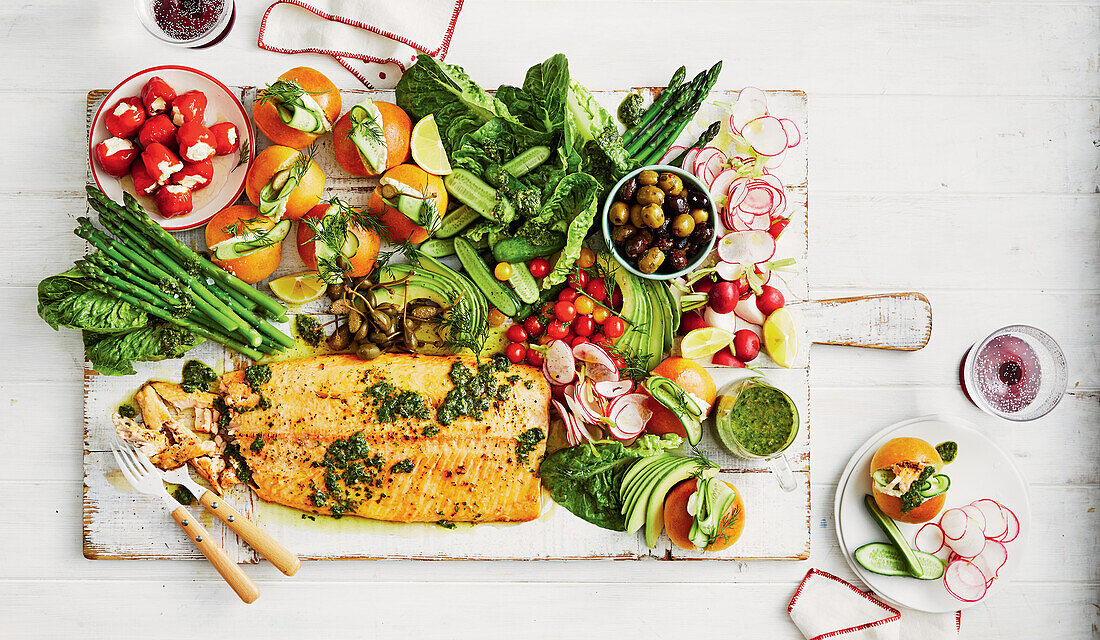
(659, 222)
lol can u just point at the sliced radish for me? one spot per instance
(729, 271)
(993, 556)
(965, 580)
(628, 416)
(713, 167)
(591, 405)
(751, 104)
(1013, 525)
(573, 433)
(672, 153)
(612, 389)
(995, 522)
(723, 181)
(594, 354)
(746, 247)
(726, 321)
(701, 159)
(953, 523)
(774, 162)
(748, 311)
(599, 373)
(689, 159)
(559, 366)
(794, 136)
(971, 542)
(975, 513)
(929, 538)
(759, 223)
(765, 135)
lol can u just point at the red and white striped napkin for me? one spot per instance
(824, 606)
(373, 39)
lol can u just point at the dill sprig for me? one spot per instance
(367, 128)
(361, 217)
(331, 230)
(283, 91)
(244, 226)
(634, 364)
(463, 332)
(301, 163)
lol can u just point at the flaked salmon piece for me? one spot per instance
(322, 446)
(174, 395)
(210, 468)
(165, 435)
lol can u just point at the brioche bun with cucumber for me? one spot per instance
(235, 221)
(276, 159)
(903, 461)
(266, 114)
(396, 128)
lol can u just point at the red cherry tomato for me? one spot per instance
(158, 129)
(226, 138)
(532, 326)
(596, 289)
(516, 352)
(160, 162)
(578, 279)
(534, 358)
(115, 156)
(516, 333)
(143, 184)
(586, 259)
(188, 106)
(196, 142)
(600, 314)
(568, 294)
(556, 330)
(565, 311)
(614, 327)
(746, 345)
(125, 118)
(196, 176)
(584, 326)
(569, 335)
(725, 358)
(157, 96)
(579, 340)
(600, 339)
(618, 360)
(584, 305)
(173, 200)
(539, 267)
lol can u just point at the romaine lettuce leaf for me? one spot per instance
(113, 354)
(65, 300)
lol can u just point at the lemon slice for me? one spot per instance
(781, 337)
(427, 147)
(299, 288)
(704, 342)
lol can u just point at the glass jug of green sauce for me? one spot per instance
(758, 421)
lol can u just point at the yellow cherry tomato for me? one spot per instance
(584, 305)
(599, 314)
(496, 318)
(586, 259)
(503, 271)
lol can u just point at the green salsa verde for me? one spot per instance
(759, 420)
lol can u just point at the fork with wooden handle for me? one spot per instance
(146, 478)
(264, 544)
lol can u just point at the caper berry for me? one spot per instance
(647, 177)
(619, 213)
(621, 234)
(699, 215)
(678, 259)
(627, 191)
(636, 216)
(670, 183)
(653, 215)
(368, 351)
(683, 225)
(651, 261)
(650, 194)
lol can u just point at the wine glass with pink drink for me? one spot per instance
(1017, 373)
(187, 23)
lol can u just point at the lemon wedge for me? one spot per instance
(299, 288)
(781, 337)
(704, 342)
(427, 147)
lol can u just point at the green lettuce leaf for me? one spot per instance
(586, 480)
(595, 138)
(65, 300)
(571, 209)
(113, 354)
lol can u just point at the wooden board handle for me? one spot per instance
(899, 321)
(234, 576)
(276, 553)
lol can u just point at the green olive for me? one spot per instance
(699, 215)
(619, 213)
(651, 260)
(636, 216)
(621, 234)
(653, 215)
(650, 194)
(683, 225)
(647, 178)
(368, 351)
(670, 183)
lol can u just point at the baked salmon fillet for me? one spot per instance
(403, 437)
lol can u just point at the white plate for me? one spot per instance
(982, 470)
(229, 173)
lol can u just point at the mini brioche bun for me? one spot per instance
(900, 450)
(321, 90)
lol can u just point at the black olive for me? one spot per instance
(664, 243)
(702, 234)
(637, 244)
(676, 205)
(698, 200)
(677, 260)
(626, 192)
(680, 244)
(665, 229)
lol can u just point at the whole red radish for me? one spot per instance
(769, 300)
(723, 297)
(743, 289)
(725, 358)
(691, 321)
(703, 285)
(746, 345)
(778, 227)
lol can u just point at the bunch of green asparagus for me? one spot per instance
(139, 262)
(670, 114)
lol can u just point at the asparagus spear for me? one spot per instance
(666, 143)
(670, 127)
(702, 141)
(678, 102)
(658, 105)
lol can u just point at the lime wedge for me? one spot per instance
(299, 288)
(704, 342)
(781, 337)
(427, 147)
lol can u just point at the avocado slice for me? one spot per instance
(654, 515)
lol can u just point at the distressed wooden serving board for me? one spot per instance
(120, 523)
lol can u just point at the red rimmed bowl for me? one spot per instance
(229, 170)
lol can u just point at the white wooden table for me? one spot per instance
(954, 152)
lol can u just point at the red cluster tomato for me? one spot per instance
(159, 139)
(580, 314)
